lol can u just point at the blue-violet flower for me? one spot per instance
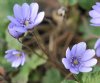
(97, 47)
(16, 57)
(25, 17)
(95, 14)
(78, 59)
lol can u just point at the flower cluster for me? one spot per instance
(78, 59)
(25, 17)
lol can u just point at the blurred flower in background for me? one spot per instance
(16, 57)
(79, 59)
(25, 18)
(95, 14)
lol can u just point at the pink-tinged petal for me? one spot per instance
(16, 63)
(39, 18)
(25, 10)
(66, 63)
(68, 53)
(17, 11)
(98, 52)
(74, 71)
(95, 20)
(78, 49)
(90, 62)
(94, 14)
(88, 54)
(97, 43)
(85, 69)
(34, 7)
(13, 20)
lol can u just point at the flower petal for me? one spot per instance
(33, 11)
(20, 29)
(13, 20)
(88, 54)
(12, 32)
(96, 7)
(97, 43)
(94, 14)
(39, 18)
(98, 52)
(68, 53)
(66, 63)
(85, 69)
(25, 11)
(8, 51)
(17, 11)
(90, 62)
(95, 24)
(95, 20)
(78, 49)
(23, 59)
(16, 63)
(73, 70)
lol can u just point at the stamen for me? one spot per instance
(26, 23)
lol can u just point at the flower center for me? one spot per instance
(18, 55)
(75, 62)
(26, 23)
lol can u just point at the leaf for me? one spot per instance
(91, 77)
(52, 76)
(36, 60)
(69, 81)
(87, 4)
(22, 76)
(12, 42)
(73, 2)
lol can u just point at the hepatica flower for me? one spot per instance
(78, 59)
(97, 47)
(95, 14)
(25, 17)
(16, 57)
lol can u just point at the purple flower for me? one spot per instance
(78, 59)
(25, 17)
(16, 57)
(97, 47)
(95, 14)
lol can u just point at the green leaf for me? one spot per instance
(91, 77)
(69, 81)
(22, 76)
(73, 2)
(86, 4)
(34, 61)
(12, 42)
(52, 76)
